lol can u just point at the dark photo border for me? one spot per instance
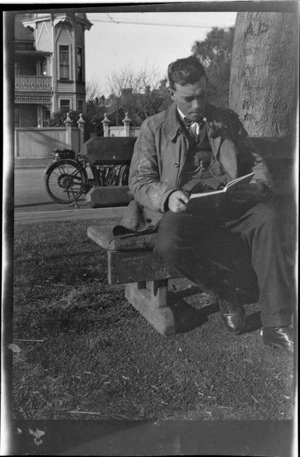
(76, 437)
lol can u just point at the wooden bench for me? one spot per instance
(131, 260)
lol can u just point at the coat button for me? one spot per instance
(176, 164)
(148, 220)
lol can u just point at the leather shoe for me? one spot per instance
(233, 315)
(281, 337)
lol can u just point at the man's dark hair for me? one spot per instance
(185, 71)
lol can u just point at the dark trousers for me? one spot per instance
(190, 242)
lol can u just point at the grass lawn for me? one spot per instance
(95, 357)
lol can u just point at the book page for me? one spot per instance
(211, 200)
(230, 185)
(207, 194)
(215, 198)
(241, 180)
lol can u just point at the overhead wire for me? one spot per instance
(123, 20)
(153, 23)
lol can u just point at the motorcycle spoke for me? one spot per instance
(66, 182)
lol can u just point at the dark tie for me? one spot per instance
(194, 129)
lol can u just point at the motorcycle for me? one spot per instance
(66, 178)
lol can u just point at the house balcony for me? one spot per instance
(24, 83)
(32, 89)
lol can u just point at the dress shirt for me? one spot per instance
(192, 126)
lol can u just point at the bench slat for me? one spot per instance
(104, 237)
(128, 267)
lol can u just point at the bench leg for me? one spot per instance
(150, 299)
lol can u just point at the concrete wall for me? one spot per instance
(75, 140)
(38, 143)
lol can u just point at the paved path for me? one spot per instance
(33, 204)
(29, 187)
(30, 192)
(30, 217)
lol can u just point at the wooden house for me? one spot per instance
(49, 66)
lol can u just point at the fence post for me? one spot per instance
(68, 123)
(105, 123)
(80, 124)
(126, 121)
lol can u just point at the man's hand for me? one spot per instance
(177, 201)
(252, 191)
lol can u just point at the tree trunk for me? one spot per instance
(263, 82)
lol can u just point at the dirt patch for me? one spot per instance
(94, 357)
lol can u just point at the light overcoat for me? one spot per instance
(159, 156)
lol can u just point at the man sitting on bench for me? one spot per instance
(194, 146)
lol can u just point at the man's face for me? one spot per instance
(191, 99)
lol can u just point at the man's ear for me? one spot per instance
(171, 93)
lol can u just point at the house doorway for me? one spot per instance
(26, 116)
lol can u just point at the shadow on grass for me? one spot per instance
(186, 317)
(188, 292)
(252, 323)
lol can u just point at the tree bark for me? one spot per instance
(263, 82)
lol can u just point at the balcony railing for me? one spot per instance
(33, 83)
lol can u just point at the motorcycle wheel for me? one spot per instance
(65, 181)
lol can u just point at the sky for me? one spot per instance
(113, 46)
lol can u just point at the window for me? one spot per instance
(17, 116)
(65, 106)
(46, 114)
(17, 68)
(44, 67)
(64, 64)
(80, 105)
(79, 71)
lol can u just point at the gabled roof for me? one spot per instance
(83, 17)
(59, 16)
(80, 17)
(22, 33)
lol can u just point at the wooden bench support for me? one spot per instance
(131, 262)
(150, 299)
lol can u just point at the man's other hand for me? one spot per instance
(177, 201)
(252, 191)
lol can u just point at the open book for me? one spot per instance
(214, 198)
